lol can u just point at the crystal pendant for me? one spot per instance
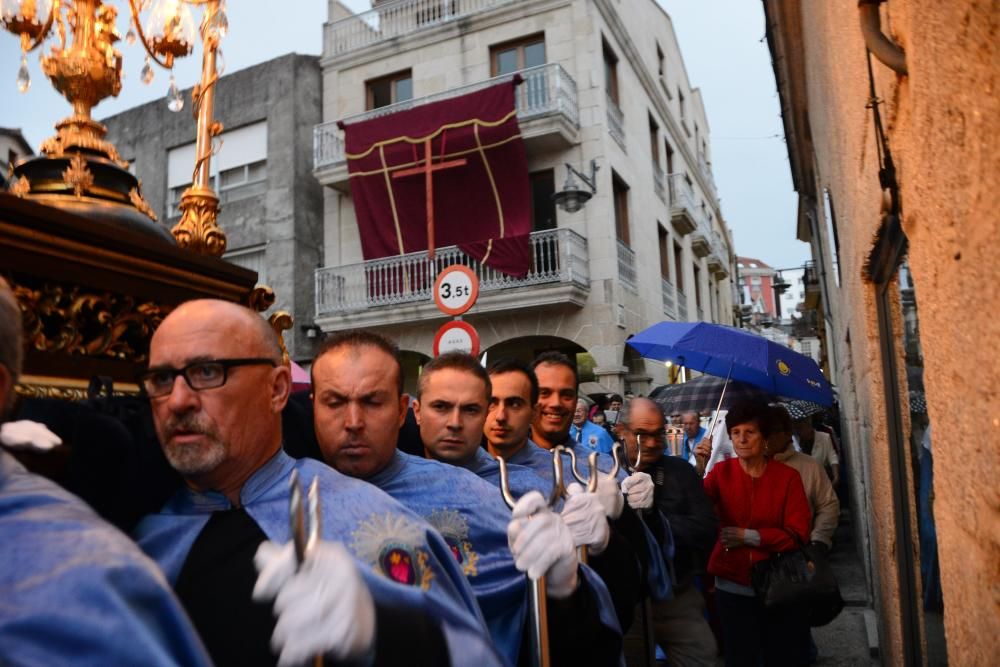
(175, 101)
(219, 23)
(130, 36)
(23, 76)
(220, 63)
(147, 72)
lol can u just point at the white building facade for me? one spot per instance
(600, 84)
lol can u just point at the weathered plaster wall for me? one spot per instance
(949, 155)
(943, 121)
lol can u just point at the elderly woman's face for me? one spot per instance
(748, 441)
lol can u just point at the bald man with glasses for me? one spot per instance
(379, 587)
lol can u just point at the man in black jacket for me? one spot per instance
(680, 625)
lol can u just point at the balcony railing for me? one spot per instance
(626, 266)
(616, 123)
(546, 89)
(396, 19)
(557, 256)
(682, 307)
(681, 192)
(701, 239)
(658, 185)
(669, 298)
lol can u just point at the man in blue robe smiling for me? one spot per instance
(381, 587)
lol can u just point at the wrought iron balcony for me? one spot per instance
(392, 20)
(658, 183)
(669, 298)
(546, 105)
(626, 266)
(682, 307)
(372, 292)
(701, 238)
(616, 123)
(716, 262)
(683, 212)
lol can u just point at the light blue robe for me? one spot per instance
(660, 556)
(472, 516)
(594, 438)
(390, 543)
(76, 591)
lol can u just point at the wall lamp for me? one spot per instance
(311, 331)
(571, 198)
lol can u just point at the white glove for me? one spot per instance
(323, 608)
(610, 496)
(638, 489)
(584, 515)
(26, 434)
(542, 545)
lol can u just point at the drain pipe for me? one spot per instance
(888, 52)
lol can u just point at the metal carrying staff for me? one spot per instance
(540, 629)
(305, 521)
(621, 460)
(590, 483)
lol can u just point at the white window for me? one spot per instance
(251, 257)
(239, 170)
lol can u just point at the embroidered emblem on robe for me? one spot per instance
(455, 530)
(392, 545)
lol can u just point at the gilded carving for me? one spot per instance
(78, 175)
(281, 321)
(20, 187)
(65, 393)
(261, 298)
(71, 319)
(141, 204)
(197, 229)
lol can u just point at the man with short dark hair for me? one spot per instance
(73, 587)
(357, 404)
(636, 521)
(679, 624)
(380, 586)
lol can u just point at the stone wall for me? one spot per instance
(942, 121)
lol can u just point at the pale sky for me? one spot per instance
(722, 42)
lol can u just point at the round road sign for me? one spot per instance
(456, 289)
(456, 336)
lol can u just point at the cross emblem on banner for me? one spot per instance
(427, 169)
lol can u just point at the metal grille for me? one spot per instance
(557, 256)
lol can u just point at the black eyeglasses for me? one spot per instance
(199, 375)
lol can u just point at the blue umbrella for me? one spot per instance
(735, 354)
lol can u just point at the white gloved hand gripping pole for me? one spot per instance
(590, 483)
(305, 539)
(539, 613)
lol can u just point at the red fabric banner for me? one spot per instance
(478, 185)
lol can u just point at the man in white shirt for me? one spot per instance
(818, 445)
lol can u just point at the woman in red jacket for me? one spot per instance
(761, 505)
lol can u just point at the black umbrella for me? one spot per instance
(799, 410)
(702, 393)
(918, 402)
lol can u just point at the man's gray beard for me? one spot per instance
(193, 460)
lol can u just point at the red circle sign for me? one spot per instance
(456, 289)
(456, 336)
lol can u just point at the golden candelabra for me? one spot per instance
(81, 171)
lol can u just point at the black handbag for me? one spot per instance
(802, 580)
